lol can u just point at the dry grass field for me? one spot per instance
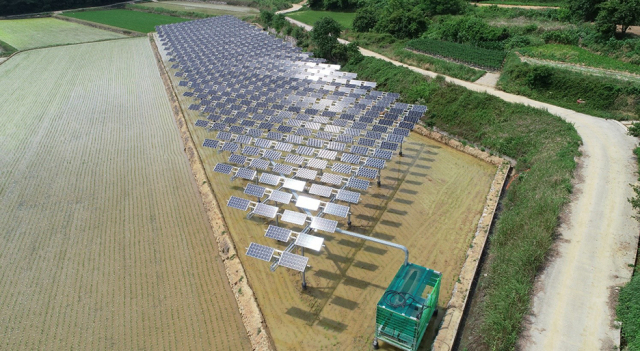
(430, 201)
(105, 242)
(40, 32)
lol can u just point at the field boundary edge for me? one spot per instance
(450, 325)
(252, 317)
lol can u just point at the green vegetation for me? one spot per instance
(41, 32)
(460, 52)
(628, 309)
(543, 145)
(604, 97)
(310, 17)
(193, 10)
(553, 3)
(133, 20)
(386, 45)
(579, 56)
(18, 7)
(6, 49)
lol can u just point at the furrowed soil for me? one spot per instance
(40, 32)
(430, 201)
(105, 241)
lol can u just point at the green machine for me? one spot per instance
(403, 313)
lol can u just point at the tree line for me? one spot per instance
(20, 7)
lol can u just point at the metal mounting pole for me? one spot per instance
(379, 241)
(400, 149)
(304, 280)
(379, 174)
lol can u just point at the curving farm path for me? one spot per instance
(574, 300)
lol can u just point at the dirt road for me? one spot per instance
(597, 242)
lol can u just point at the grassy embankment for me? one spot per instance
(628, 309)
(604, 97)
(543, 145)
(133, 20)
(190, 10)
(578, 56)
(6, 49)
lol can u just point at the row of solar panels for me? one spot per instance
(245, 92)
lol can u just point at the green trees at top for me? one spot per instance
(613, 13)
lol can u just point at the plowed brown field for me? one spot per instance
(104, 242)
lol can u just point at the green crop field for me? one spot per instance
(206, 8)
(105, 241)
(40, 32)
(579, 56)
(310, 17)
(133, 20)
(459, 52)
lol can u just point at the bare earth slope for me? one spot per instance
(104, 241)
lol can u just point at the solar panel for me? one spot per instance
(210, 143)
(367, 173)
(383, 154)
(238, 203)
(323, 224)
(308, 203)
(348, 196)
(254, 190)
(295, 159)
(327, 154)
(251, 150)
(263, 143)
(331, 178)
(202, 123)
(305, 150)
(246, 173)
(385, 145)
(260, 252)
(271, 179)
(223, 168)
(237, 159)
(316, 163)
(341, 168)
(332, 129)
(226, 136)
(294, 184)
(336, 210)
(320, 190)
(244, 139)
(280, 197)
(285, 147)
(229, 146)
(311, 242)
(358, 183)
(360, 150)
(350, 158)
(366, 142)
(293, 217)
(283, 169)
(265, 210)
(375, 163)
(272, 154)
(334, 145)
(278, 233)
(293, 261)
(259, 163)
(305, 173)
(294, 139)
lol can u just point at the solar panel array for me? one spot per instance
(289, 121)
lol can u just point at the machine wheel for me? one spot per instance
(435, 313)
(375, 344)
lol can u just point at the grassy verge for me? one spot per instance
(168, 12)
(310, 17)
(603, 97)
(6, 49)
(543, 145)
(387, 45)
(628, 309)
(133, 20)
(524, 3)
(577, 55)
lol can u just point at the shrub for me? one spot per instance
(366, 19)
(567, 37)
(266, 18)
(403, 24)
